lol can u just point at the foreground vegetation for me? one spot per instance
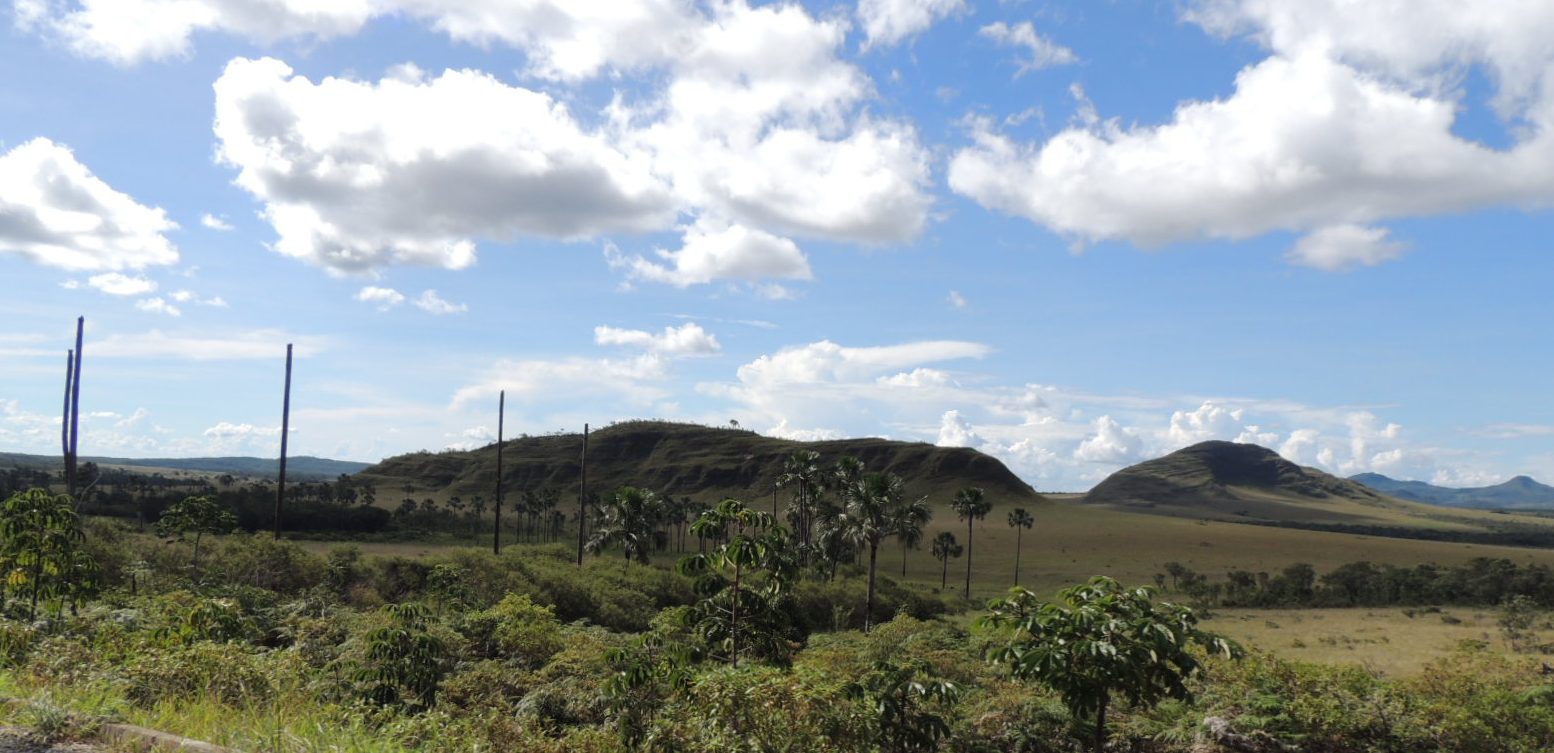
(264, 646)
(761, 637)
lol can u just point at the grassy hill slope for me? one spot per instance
(1247, 483)
(684, 460)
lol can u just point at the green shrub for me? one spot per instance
(226, 673)
(516, 631)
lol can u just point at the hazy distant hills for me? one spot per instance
(1520, 493)
(300, 467)
(686, 460)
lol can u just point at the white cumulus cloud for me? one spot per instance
(887, 22)
(383, 298)
(54, 211)
(1041, 52)
(433, 304)
(711, 251)
(1348, 122)
(1111, 443)
(954, 431)
(748, 128)
(117, 283)
(158, 305)
(1339, 247)
(412, 169)
(685, 340)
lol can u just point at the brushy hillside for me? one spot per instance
(685, 460)
(298, 467)
(1248, 483)
(1520, 493)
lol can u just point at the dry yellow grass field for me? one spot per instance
(1071, 542)
(1387, 641)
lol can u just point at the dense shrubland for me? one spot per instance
(1478, 582)
(262, 645)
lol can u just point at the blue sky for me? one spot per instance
(1072, 235)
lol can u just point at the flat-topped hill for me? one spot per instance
(686, 460)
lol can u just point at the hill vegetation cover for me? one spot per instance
(1251, 484)
(678, 459)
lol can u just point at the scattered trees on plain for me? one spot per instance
(197, 515)
(970, 505)
(944, 549)
(1020, 520)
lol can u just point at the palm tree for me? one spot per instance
(802, 472)
(944, 547)
(908, 519)
(1019, 520)
(867, 520)
(846, 474)
(970, 506)
(631, 519)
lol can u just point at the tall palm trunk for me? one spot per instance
(868, 615)
(1017, 534)
(969, 520)
(733, 632)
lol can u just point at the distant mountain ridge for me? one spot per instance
(1520, 493)
(686, 460)
(299, 467)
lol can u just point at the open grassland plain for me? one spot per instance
(1070, 542)
(1389, 642)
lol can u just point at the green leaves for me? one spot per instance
(631, 519)
(743, 582)
(903, 699)
(1099, 640)
(405, 661)
(40, 549)
(971, 504)
(195, 515)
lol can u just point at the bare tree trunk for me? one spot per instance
(1017, 535)
(969, 521)
(64, 420)
(496, 530)
(75, 409)
(733, 633)
(868, 616)
(1100, 725)
(582, 500)
(280, 486)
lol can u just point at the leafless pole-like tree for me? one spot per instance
(582, 500)
(501, 412)
(280, 486)
(73, 409)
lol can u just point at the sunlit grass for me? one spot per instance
(292, 723)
